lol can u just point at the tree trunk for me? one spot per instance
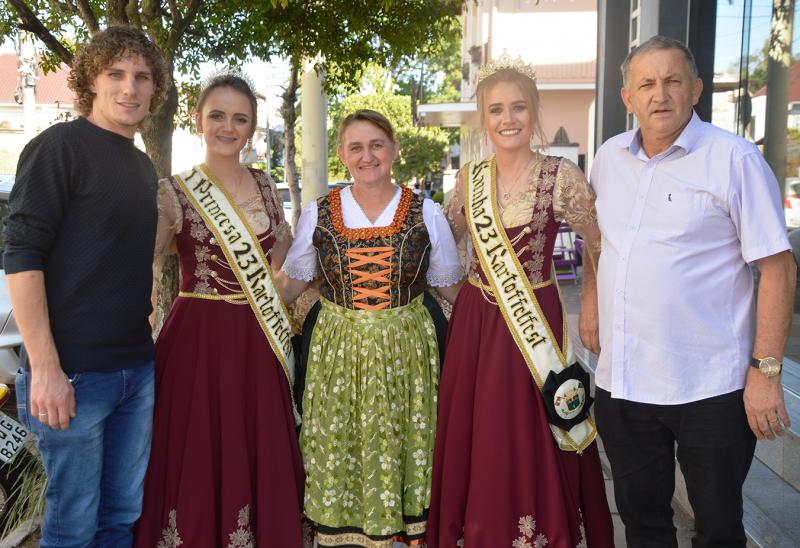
(289, 114)
(157, 137)
(157, 133)
(413, 86)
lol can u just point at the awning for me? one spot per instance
(448, 114)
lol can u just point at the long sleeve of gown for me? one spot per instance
(454, 212)
(283, 231)
(574, 203)
(170, 220)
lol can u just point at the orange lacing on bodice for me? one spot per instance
(361, 256)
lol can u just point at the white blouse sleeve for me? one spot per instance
(444, 268)
(301, 261)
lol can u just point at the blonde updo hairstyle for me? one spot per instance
(529, 91)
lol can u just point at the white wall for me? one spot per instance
(546, 38)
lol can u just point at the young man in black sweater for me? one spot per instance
(79, 249)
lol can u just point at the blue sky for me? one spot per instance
(729, 30)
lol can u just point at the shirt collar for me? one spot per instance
(686, 140)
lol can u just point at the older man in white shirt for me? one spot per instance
(684, 209)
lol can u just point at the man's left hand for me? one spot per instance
(763, 403)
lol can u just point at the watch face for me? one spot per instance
(770, 366)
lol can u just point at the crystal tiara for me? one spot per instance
(224, 72)
(505, 61)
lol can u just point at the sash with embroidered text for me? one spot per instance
(562, 381)
(246, 258)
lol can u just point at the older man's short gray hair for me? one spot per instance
(658, 42)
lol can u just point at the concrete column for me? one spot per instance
(702, 41)
(691, 22)
(26, 54)
(314, 146)
(780, 59)
(613, 31)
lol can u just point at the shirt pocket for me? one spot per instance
(677, 212)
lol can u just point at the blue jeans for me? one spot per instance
(95, 469)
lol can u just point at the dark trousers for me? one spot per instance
(715, 449)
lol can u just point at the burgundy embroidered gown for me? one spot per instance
(225, 468)
(499, 479)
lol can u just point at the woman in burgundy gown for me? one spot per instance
(225, 468)
(500, 478)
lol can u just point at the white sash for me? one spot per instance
(515, 296)
(246, 259)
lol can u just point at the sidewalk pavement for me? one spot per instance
(570, 293)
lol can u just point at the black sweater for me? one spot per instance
(83, 211)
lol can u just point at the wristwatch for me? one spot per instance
(769, 366)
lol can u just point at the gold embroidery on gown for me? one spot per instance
(573, 202)
(258, 209)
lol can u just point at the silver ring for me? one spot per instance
(42, 414)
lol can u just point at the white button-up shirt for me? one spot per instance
(674, 287)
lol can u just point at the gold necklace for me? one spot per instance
(506, 194)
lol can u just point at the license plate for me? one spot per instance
(12, 437)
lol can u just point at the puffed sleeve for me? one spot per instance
(444, 268)
(301, 261)
(573, 202)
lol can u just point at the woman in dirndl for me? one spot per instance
(369, 405)
(225, 468)
(515, 463)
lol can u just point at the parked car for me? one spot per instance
(10, 346)
(286, 197)
(791, 203)
(10, 339)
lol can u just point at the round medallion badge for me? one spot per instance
(569, 399)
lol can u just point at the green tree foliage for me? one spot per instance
(421, 148)
(189, 33)
(757, 67)
(757, 77)
(342, 35)
(433, 73)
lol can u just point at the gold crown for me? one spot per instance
(505, 61)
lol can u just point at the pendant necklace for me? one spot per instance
(506, 194)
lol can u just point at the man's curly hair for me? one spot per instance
(107, 46)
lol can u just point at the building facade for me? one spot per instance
(559, 38)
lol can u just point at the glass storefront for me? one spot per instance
(740, 83)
